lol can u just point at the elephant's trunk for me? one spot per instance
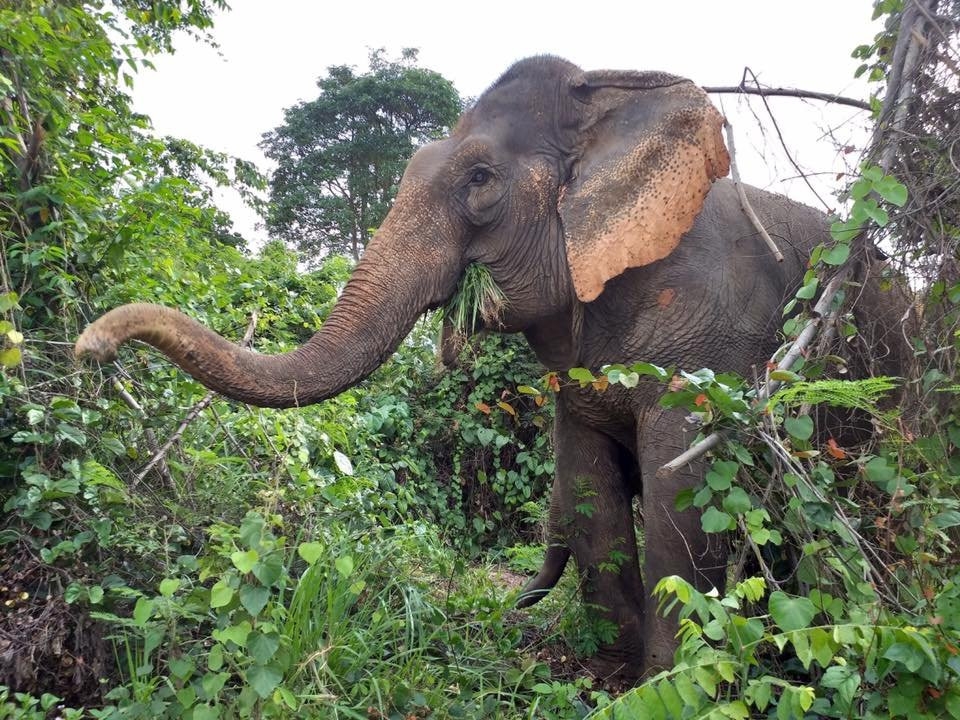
(408, 267)
(554, 562)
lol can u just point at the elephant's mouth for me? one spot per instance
(476, 305)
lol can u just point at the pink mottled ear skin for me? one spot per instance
(648, 163)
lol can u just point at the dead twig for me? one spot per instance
(744, 203)
(148, 432)
(743, 89)
(194, 411)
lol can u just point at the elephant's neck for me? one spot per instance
(556, 340)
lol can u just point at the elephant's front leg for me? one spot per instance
(591, 505)
(675, 543)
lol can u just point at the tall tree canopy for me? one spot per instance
(340, 157)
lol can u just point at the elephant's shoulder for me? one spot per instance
(790, 223)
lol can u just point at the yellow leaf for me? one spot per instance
(15, 337)
(10, 357)
(507, 407)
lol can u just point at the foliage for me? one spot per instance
(340, 157)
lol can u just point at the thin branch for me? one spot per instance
(194, 411)
(787, 92)
(744, 203)
(148, 432)
(783, 142)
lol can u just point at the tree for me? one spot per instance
(340, 157)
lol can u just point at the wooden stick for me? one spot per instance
(744, 203)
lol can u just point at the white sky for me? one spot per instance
(272, 51)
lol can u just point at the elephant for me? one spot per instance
(597, 200)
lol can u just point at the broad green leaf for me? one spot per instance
(310, 552)
(213, 683)
(737, 501)
(714, 521)
(236, 634)
(10, 357)
(254, 598)
(263, 679)
(837, 255)
(261, 647)
(244, 561)
(344, 565)
(581, 375)
(789, 612)
(142, 611)
(800, 428)
(220, 594)
(169, 586)
(808, 291)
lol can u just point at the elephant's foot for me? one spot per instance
(622, 659)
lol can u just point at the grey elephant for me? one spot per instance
(594, 200)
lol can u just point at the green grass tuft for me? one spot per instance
(477, 296)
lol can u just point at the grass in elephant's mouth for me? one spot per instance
(477, 296)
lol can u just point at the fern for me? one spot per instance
(861, 394)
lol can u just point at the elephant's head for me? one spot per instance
(557, 180)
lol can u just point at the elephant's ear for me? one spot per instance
(650, 146)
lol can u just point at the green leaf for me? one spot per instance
(344, 565)
(737, 501)
(879, 472)
(269, 570)
(244, 561)
(891, 190)
(261, 647)
(254, 598)
(169, 586)
(581, 375)
(310, 552)
(213, 683)
(206, 712)
(837, 255)
(263, 679)
(714, 521)
(236, 634)
(791, 613)
(142, 611)
(907, 654)
(220, 594)
(181, 667)
(808, 291)
(95, 593)
(800, 428)
(215, 658)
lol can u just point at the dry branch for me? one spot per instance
(744, 203)
(148, 432)
(194, 411)
(742, 88)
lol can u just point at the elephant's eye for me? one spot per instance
(479, 177)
